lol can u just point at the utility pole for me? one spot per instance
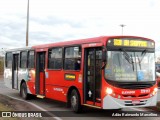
(27, 26)
(122, 25)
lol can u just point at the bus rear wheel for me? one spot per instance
(75, 101)
(23, 91)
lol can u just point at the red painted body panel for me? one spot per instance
(56, 92)
(58, 86)
(42, 80)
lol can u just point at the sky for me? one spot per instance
(60, 20)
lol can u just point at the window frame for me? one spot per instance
(6, 60)
(28, 54)
(50, 49)
(64, 57)
(26, 64)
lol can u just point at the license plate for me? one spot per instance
(135, 101)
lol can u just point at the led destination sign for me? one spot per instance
(130, 43)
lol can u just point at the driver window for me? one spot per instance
(117, 59)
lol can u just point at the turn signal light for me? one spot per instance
(155, 89)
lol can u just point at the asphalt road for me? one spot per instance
(59, 109)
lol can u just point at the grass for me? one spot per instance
(158, 106)
(5, 108)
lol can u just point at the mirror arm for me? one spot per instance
(104, 58)
(103, 65)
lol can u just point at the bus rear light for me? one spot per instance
(109, 91)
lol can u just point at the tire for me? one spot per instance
(23, 91)
(75, 101)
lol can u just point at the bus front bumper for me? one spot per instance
(110, 102)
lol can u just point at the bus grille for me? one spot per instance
(129, 103)
(132, 96)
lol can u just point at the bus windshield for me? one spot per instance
(130, 66)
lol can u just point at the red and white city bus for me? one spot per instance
(108, 72)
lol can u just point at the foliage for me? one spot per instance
(1, 65)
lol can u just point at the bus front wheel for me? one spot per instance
(75, 101)
(23, 91)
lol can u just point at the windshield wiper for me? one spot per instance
(132, 63)
(139, 62)
(128, 58)
(143, 54)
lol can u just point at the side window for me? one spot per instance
(23, 59)
(72, 59)
(9, 60)
(31, 59)
(55, 58)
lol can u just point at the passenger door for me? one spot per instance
(40, 73)
(15, 71)
(92, 75)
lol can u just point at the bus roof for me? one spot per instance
(18, 49)
(84, 41)
(70, 42)
(74, 42)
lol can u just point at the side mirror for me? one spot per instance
(104, 58)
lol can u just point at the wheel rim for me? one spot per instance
(73, 101)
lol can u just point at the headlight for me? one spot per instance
(155, 89)
(109, 91)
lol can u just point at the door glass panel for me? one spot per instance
(90, 76)
(93, 74)
(98, 73)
